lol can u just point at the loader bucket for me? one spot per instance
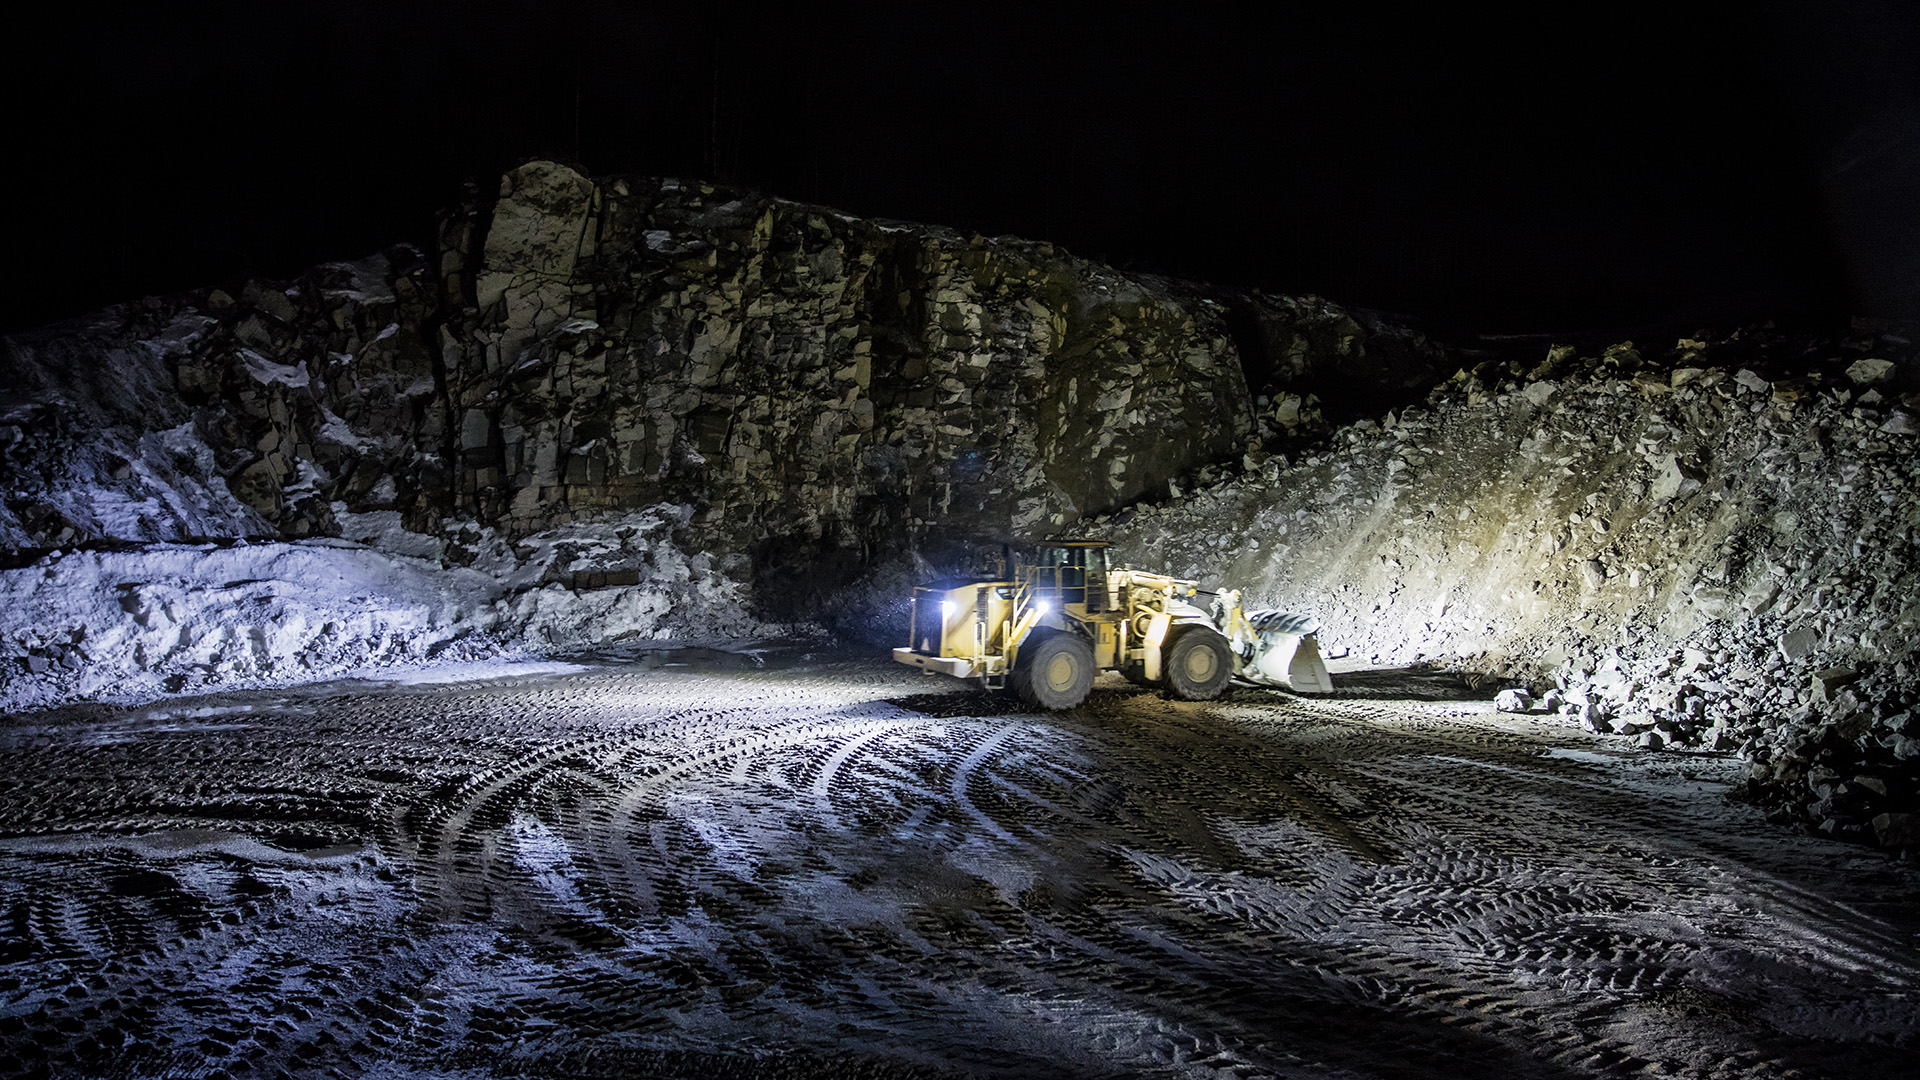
(1288, 654)
(1293, 661)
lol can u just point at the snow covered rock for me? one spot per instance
(162, 618)
(176, 616)
(1513, 700)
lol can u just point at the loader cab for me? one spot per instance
(1073, 571)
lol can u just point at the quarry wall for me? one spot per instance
(806, 395)
(801, 379)
(636, 408)
(628, 409)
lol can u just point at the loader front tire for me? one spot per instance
(1054, 672)
(1199, 664)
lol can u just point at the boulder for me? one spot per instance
(1876, 785)
(1594, 573)
(1676, 480)
(1869, 371)
(1897, 830)
(1827, 683)
(1799, 642)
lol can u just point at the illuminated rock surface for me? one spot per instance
(1683, 545)
(810, 383)
(723, 407)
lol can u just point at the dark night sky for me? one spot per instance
(1616, 168)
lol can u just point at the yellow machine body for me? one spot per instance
(1114, 620)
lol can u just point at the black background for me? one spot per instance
(1610, 168)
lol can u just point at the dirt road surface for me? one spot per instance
(822, 867)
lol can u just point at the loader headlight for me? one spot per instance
(1042, 607)
(946, 610)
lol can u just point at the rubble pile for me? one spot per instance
(1704, 545)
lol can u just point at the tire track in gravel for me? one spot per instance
(1646, 968)
(782, 860)
(1151, 971)
(832, 768)
(454, 875)
(964, 775)
(1210, 967)
(1493, 806)
(639, 797)
(1447, 996)
(456, 853)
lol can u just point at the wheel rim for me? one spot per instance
(1201, 664)
(1060, 672)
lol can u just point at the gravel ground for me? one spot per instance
(700, 864)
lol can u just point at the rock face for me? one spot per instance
(685, 406)
(813, 387)
(813, 384)
(213, 415)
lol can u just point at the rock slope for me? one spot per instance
(1706, 545)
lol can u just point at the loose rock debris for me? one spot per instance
(831, 868)
(1705, 545)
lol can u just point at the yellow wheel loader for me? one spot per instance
(1048, 628)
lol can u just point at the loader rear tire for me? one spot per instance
(1199, 664)
(1054, 672)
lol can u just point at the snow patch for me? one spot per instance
(474, 671)
(180, 336)
(167, 618)
(336, 430)
(383, 531)
(264, 370)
